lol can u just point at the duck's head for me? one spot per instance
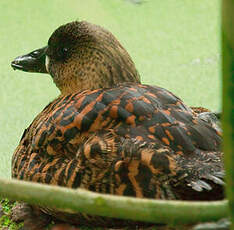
(81, 56)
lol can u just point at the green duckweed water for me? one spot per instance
(175, 44)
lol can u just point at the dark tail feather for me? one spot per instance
(202, 176)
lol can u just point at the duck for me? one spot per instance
(109, 133)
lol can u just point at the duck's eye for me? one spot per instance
(62, 53)
(64, 49)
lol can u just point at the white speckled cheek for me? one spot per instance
(47, 62)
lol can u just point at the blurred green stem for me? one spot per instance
(228, 96)
(73, 201)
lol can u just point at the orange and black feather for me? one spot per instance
(77, 136)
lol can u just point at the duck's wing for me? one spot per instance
(190, 142)
(77, 135)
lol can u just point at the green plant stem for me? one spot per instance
(228, 97)
(70, 200)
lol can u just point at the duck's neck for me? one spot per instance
(99, 70)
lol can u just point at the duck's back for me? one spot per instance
(140, 119)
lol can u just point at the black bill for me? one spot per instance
(32, 62)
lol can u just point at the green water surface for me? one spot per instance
(174, 43)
